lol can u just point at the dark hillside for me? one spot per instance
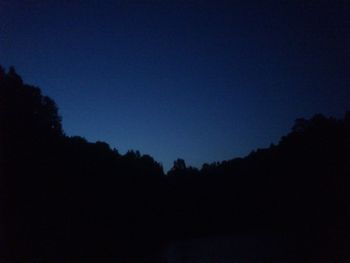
(66, 198)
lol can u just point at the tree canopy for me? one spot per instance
(65, 197)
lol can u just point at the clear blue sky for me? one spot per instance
(203, 81)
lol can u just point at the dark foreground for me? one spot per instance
(64, 199)
(221, 249)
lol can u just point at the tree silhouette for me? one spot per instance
(67, 198)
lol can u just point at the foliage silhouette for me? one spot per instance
(64, 197)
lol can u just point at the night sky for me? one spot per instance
(202, 81)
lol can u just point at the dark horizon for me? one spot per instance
(203, 81)
(67, 200)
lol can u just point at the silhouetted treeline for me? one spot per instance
(64, 197)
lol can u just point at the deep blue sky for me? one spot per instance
(203, 81)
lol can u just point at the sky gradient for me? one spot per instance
(203, 81)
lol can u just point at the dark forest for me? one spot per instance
(65, 198)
